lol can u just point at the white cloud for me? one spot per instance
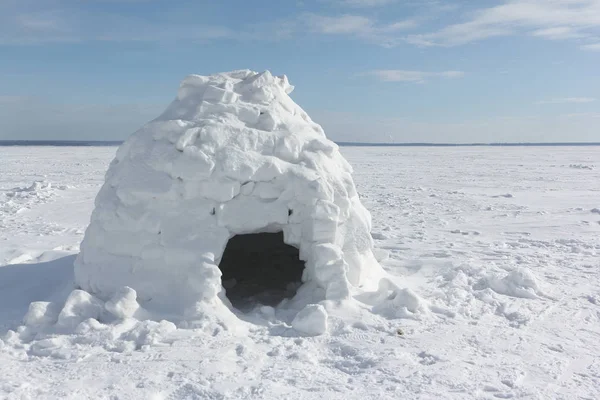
(353, 24)
(432, 6)
(558, 33)
(399, 26)
(551, 19)
(365, 28)
(565, 100)
(38, 22)
(345, 24)
(591, 47)
(364, 3)
(399, 75)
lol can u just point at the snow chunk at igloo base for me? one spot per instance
(232, 155)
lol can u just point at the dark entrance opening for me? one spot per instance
(260, 268)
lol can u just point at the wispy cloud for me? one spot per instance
(582, 115)
(5, 99)
(345, 24)
(361, 27)
(52, 21)
(558, 33)
(60, 21)
(38, 22)
(565, 100)
(551, 19)
(399, 75)
(432, 6)
(591, 47)
(364, 3)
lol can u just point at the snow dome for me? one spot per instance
(231, 193)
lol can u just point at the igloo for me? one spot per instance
(232, 183)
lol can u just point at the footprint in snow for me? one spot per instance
(465, 233)
(427, 358)
(193, 391)
(593, 299)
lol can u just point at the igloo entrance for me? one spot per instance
(260, 268)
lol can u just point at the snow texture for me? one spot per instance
(232, 154)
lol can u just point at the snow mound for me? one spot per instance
(36, 187)
(581, 166)
(41, 189)
(517, 283)
(474, 291)
(17, 199)
(84, 324)
(395, 302)
(231, 155)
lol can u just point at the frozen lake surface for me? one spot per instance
(502, 244)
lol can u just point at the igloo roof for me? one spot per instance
(232, 154)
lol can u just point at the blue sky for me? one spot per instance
(367, 70)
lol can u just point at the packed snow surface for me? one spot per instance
(231, 155)
(493, 290)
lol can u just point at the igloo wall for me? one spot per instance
(231, 155)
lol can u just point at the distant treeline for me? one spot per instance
(356, 144)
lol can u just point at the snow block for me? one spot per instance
(217, 95)
(41, 313)
(124, 304)
(311, 320)
(80, 305)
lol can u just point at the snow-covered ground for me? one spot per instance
(499, 249)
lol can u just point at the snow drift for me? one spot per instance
(231, 155)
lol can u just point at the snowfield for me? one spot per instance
(497, 249)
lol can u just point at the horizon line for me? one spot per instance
(92, 143)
